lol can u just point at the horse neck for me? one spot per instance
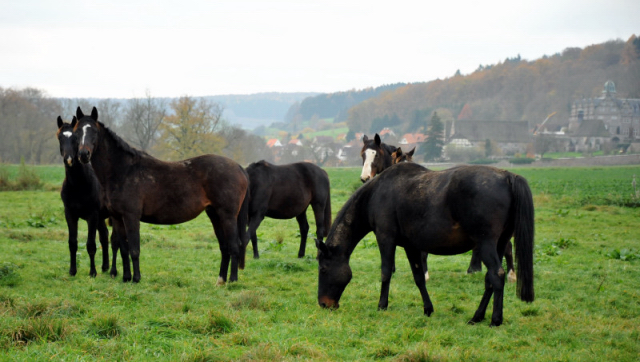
(108, 157)
(78, 174)
(350, 227)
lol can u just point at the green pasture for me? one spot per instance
(587, 307)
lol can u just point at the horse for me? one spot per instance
(438, 212)
(376, 157)
(285, 192)
(372, 149)
(399, 156)
(83, 199)
(139, 187)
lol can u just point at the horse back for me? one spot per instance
(442, 212)
(285, 191)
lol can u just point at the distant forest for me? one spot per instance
(513, 90)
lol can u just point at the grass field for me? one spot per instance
(587, 307)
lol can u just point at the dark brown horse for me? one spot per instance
(83, 199)
(438, 212)
(376, 157)
(396, 155)
(285, 192)
(400, 156)
(139, 187)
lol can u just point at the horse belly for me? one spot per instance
(451, 241)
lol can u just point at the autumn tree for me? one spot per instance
(434, 143)
(192, 129)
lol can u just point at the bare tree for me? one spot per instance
(142, 117)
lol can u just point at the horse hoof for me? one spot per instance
(220, 281)
(428, 311)
(495, 324)
(93, 274)
(113, 273)
(136, 279)
(126, 279)
(105, 269)
(72, 273)
(511, 277)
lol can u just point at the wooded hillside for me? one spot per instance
(514, 90)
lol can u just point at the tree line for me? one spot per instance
(171, 129)
(515, 89)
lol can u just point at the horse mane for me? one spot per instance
(122, 144)
(350, 204)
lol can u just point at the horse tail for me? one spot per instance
(523, 236)
(243, 221)
(327, 213)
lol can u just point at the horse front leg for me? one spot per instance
(92, 224)
(72, 225)
(415, 261)
(387, 267)
(303, 224)
(103, 234)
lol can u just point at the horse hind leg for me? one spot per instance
(304, 231)
(226, 231)
(508, 255)
(493, 283)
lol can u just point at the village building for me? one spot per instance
(511, 137)
(619, 116)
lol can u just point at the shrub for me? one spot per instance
(28, 178)
(521, 160)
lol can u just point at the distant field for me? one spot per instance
(587, 307)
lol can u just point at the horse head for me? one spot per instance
(399, 156)
(87, 131)
(67, 140)
(334, 273)
(373, 157)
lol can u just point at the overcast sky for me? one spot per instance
(121, 49)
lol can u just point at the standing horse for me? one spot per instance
(82, 198)
(139, 187)
(376, 147)
(285, 192)
(376, 157)
(439, 212)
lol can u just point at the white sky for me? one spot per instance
(121, 49)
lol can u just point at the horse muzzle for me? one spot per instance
(84, 155)
(326, 302)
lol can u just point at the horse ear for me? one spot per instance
(74, 121)
(377, 140)
(322, 247)
(365, 139)
(79, 113)
(94, 113)
(398, 152)
(60, 123)
(410, 153)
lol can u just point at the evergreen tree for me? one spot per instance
(434, 143)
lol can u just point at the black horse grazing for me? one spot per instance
(139, 187)
(82, 198)
(380, 162)
(439, 212)
(285, 192)
(376, 157)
